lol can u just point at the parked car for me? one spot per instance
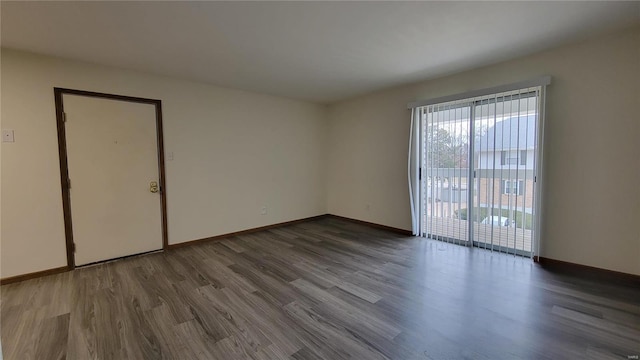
(497, 221)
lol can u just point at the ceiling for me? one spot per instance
(317, 51)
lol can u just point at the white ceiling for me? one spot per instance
(317, 51)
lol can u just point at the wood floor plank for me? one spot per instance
(108, 316)
(81, 340)
(244, 325)
(270, 319)
(329, 277)
(271, 352)
(306, 354)
(197, 340)
(171, 346)
(234, 244)
(54, 343)
(140, 339)
(335, 335)
(324, 289)
(355, 314)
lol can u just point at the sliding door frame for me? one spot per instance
(471, 179)
(421, 118)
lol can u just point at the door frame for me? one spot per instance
(64, 166)
(473, 202)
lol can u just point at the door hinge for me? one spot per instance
(535, 179)
(419, 173)
(73, 247)
(64, 117)
(474, 174)
(68, 183)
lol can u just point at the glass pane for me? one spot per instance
(504, 154)
(446, 171)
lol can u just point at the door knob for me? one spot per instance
(153, 187)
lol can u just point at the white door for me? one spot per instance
(112, 157)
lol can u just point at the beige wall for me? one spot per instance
(234, 152)
(592, 171)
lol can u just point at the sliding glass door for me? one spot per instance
(504, 162)
(478, 161)
(446, 171)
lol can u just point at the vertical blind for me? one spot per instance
(474, 166)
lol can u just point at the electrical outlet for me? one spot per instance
(7, 135)
(263, 210)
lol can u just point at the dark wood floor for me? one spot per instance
(326, 289)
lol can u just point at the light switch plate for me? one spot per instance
(7, 135)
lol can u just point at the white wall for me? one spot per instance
(234, 151)
(592, 200)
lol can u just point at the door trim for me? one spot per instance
(64, 166)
